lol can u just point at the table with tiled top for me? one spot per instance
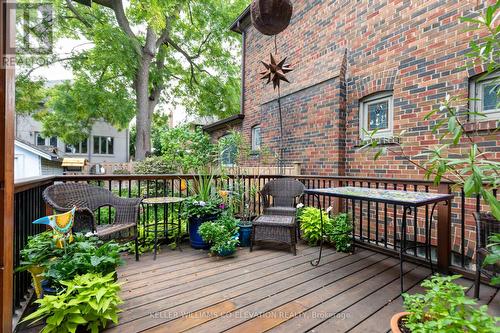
(407, 199)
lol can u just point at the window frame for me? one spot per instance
(79, 146)
(46, 141)
(255, 148)
(106, 143)
(363, 114)
(222, 163)
(476, 92)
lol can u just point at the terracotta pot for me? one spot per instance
(395, 320)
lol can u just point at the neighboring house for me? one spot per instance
(372, 64)
(33, 161)
(106, 144)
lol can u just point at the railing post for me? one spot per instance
(444, 232)
(338, 203)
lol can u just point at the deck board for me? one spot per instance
(267, 290)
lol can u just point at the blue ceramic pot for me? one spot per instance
(244, 235)
(46, 289)
(194, 237)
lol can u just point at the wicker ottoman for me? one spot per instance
(275, 228)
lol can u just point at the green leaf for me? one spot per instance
(493, 202)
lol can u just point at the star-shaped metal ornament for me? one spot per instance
(275, 71)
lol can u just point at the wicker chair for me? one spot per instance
(87, 198)
(486, 226)
(278, 224)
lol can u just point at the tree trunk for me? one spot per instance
(143, 117)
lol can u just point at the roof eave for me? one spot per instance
(224, 122)
(236, 25)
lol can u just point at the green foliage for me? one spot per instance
(205, 199)
(182, 51)
(339, 232)
(72, 108)
(493, 257)
(31, 95)
(336, 229)
(310, 224)
(84, 255)
(89, 300)
(39, 249)
(156, 165)
(221, 234)
(445, 308)
(487, 49)
(186, 149)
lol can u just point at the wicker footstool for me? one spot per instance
(275, 228)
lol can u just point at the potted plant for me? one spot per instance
(442, 308)
(36, 255)
(87, 303)
(222, 235)
(204, 205)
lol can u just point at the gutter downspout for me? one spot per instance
(243, 61)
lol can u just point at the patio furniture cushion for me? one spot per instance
(108, 229)
(289, 211)
(275, 220)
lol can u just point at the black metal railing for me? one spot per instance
(28, 206)
(377, 225)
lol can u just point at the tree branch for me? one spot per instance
(77, 14)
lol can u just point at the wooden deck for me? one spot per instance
(267, 290)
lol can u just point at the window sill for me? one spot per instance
(482, 125)
(255, 153)
(382, 141)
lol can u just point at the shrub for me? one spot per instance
(153, 165)
(121, 172)
(445, 308)
(89, 300)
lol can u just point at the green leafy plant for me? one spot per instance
(445, 308)
(84, 255)
(89, 300)
(186, 149)
(339, 231)
(39, 249)
(221, 234)
(310, 224)
(336, 229)
(205, 199)
(493, 258)
(154, 165)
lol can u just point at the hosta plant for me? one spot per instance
(89, 301)
(310, 224)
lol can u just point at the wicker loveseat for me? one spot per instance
(87, 199)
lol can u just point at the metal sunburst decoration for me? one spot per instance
(275, 71)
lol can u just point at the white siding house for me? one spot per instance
(33, 161)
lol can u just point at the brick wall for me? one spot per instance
(343, 51)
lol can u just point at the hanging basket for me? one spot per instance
(271, 17)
